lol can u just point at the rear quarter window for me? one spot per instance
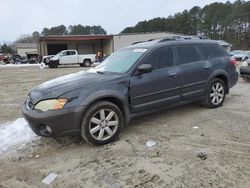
(212, 51)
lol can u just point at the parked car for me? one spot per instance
(235, 52)
(140, 79)
(69, 57)
(242, 56)
(245, 70)
(1, 57)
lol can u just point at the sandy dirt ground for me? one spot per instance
(222, 134)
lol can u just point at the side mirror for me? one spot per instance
(145, 68)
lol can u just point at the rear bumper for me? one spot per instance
(234, 79)
(245, 72)
(61, 122)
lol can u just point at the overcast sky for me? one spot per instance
(19, 17)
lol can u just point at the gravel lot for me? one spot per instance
(222, 134)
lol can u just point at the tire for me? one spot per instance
(246, 79)
(87, 63)
(56, 63)
(53, 64)
(95, 128)
(215, 94)
(246, 58)
(50, 64)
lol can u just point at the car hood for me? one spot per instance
(59, 86)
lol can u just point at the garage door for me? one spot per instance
(85, 49)
(53, 49)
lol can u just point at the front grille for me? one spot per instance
(238, 59)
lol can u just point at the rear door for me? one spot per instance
(195, 71)
(159, 87)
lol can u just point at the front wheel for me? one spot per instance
(53, 64)
(216, 93)
(102, 123)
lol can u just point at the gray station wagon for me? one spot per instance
(134, 81)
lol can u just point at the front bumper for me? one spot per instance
(245, 72)
(61, 122)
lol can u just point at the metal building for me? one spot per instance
(91, 44)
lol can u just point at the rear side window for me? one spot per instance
(187, 54)
(211, 51)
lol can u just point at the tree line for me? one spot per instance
(62, 30)
(220, 21)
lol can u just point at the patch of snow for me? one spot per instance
(15, 134)
(19, 65)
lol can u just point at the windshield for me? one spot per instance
(120, 61)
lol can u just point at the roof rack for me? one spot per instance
(173, 38)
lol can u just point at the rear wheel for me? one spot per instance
(102, 123)
(87, 63)
(216, 93)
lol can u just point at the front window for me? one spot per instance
(120, 61)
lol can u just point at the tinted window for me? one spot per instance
(211, 51)
(187, 54)
(73, 53)
(153, 59)
(166, 57)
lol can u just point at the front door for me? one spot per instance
(158, 88)
(68, 57)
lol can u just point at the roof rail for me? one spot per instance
(172, 38)
(138, 42)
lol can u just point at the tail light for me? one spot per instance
(233, 61)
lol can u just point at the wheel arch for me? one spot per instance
(221, 75)
(115, 100)
(86, 59)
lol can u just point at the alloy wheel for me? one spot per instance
(217, 93)
(103, 124)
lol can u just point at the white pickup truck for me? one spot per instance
(69, 57)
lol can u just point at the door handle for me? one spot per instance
(207, 67)
(173, 75)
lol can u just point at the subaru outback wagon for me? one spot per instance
(137, 80)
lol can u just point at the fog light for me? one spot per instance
(48, 129)
(45, 130)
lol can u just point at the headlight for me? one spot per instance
(244, 64)
(51, 104)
